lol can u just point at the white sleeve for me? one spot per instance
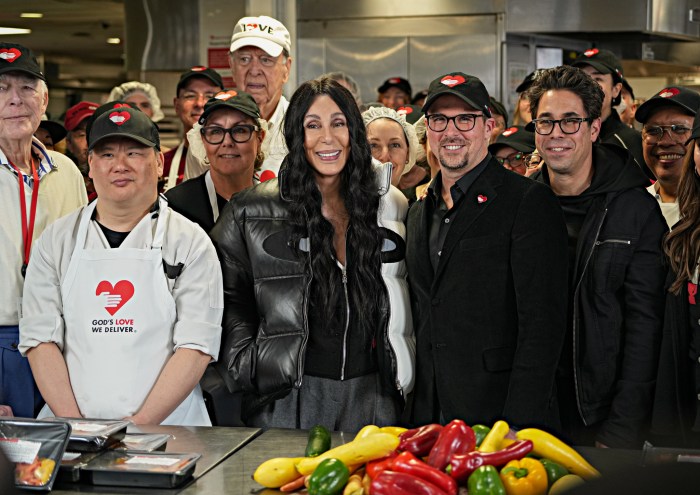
(198, 293)
(42, 306)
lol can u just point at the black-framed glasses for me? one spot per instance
(514, 160)
(677, 132)
(463, 122)
(214, 134)
(569, 125)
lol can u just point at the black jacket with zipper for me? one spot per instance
(618, 299)
(266, 296)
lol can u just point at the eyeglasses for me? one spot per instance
(676, 132)
(569, 125)
(463, 122)
(514, 160)
(213, 134)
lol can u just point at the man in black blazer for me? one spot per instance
(486, 256)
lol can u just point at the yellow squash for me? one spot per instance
(276, 472)
(493, 439)
(549, 446)
(359, 451)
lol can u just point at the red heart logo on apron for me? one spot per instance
(119, 117)
(10, 55)
(123, 288)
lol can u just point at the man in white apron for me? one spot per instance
(123, 299)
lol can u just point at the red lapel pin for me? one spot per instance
(481, 198)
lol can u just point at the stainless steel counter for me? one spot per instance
(214, 443)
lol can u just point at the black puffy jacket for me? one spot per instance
(266, 290)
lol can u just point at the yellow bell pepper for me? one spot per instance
(524, 477)
(493, 439)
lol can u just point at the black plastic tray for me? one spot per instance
(48, 438)
(69, 471)
(144, 442)
(94, 435)
(122, 468)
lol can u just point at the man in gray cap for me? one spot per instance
(124, 298)
(25, 167)
(667, 119)
(260, 63)
(605, 68)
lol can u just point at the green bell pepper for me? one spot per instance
(480, 431)
(329, 477)
(485, 481)
(554, 470)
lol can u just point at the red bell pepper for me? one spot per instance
(461, 466)
(456, 438)
(419, 441)
(385, 463)
(393, 483)
(410, 464)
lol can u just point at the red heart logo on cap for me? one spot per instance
(509, 131)
(252, 26)
(225, 95)
(668, 92)
(120, 105)
(119, 117)
(404, 110)
(10, 55)
(267, 175)
(123, 288)
(591, 52)
(198, 68)
(452, 81)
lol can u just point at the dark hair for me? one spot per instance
(360, 194)
(682, 244)
(566, 77)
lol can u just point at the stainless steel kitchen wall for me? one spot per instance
(372, 41)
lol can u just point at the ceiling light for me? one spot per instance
(31, 15)
(114, 41)
(10, 30)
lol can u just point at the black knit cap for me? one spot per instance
(200, 71)
(234, 99)
(124, 122)
(679, 97)
(468, 88)
(517, 137)
(16, 57)
(604, 61)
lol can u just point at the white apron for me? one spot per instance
(119, 316)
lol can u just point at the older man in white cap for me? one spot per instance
(260, 64)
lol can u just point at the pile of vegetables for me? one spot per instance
(431, 460)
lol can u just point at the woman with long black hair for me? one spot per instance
(317, 325)
(676, 415)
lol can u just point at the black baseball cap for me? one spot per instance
(234, 99)
(110, 105)
(673, 96)
(200, 71)
(410, 112)
(396, 82)
(517, 137)
(696, 129)
(16, 57)
(420, 95)
(498, 108)
(55, 129)
(527, 82)
(628, 87)
(604, 61)
(468, 88)
(124, 122)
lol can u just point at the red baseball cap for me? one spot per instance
(77, 113)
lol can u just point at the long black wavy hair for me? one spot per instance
(360, 194)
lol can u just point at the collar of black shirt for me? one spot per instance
(460, 188)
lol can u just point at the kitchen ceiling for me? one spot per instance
(71, 38)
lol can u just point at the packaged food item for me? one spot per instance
(144, 442)
(94, 435)
(36, 448)
(72, 463)
(140, 469)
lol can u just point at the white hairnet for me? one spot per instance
(123, 91)
(375, 113)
